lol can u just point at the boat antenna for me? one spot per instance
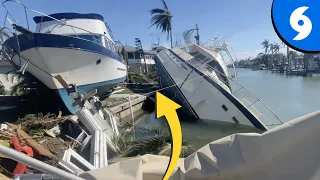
(217, 42)
(234, 33)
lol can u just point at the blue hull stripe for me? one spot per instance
(59, 41)
(255, 122)
(86, 88)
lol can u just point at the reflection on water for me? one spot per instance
(288, 96)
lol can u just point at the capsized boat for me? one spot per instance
(198, 79)
(78, 47)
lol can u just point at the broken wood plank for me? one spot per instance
(3, 177)
(86, 97)
(62, 81)
(12, 126)
(33, 144)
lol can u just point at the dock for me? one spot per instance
(123, 110)
(299, 73)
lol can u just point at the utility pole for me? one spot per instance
(197, 36)
(141, 52)
(289, 60)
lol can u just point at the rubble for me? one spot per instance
(45, 149)
(75, 143)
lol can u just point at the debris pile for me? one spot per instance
(73, 143)
(31, 135)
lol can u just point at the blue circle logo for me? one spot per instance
(297, 23)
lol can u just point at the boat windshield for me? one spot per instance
(209, 66)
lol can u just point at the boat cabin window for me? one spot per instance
(109, 44)
(199, 59)
(215, 66)
(130, 55)
(90, 37)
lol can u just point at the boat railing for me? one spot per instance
(224, 48)
(248, 99)
(257, 107)
(45, 15)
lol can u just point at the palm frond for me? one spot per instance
(164, 4)
(121, 143)
(154, 130)
(157, 11)
(162, 19)
(157, 20)
(165, 150)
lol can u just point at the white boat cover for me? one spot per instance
(290, 151)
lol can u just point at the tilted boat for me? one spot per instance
(199, 80)
(78, 47)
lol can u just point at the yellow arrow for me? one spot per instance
(166, 107)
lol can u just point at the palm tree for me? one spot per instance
(260, 58)
(162, 19)
(288, 51)
(266, 45)
(159, 144)
(275, 47)
(187, 35)
(293, 55)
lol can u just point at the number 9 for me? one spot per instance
(305, 28)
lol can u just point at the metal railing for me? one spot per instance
(45, 15)
(225, 49)
(246, 97)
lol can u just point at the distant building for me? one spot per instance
(315, 62)
(135, 61)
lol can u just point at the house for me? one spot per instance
(135, 60)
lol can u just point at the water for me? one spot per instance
(288, 96)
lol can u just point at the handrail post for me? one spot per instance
(40, 23)
(25, 11)
(5, 19)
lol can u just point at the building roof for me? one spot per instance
(133, 49)
(126, 48)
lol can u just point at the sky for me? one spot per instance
(130, 19)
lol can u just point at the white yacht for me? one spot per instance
(201, 83)
(79, 47)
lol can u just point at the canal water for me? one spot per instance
(288, 96)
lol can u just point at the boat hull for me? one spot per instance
(88, 67)
(206, 97)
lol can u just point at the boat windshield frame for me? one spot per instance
(204, 64)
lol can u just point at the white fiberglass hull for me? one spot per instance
(207, 98)
(78, 61)
(75, 66)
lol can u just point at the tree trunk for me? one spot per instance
(171, 37)
(198, 37)
(288, 59)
